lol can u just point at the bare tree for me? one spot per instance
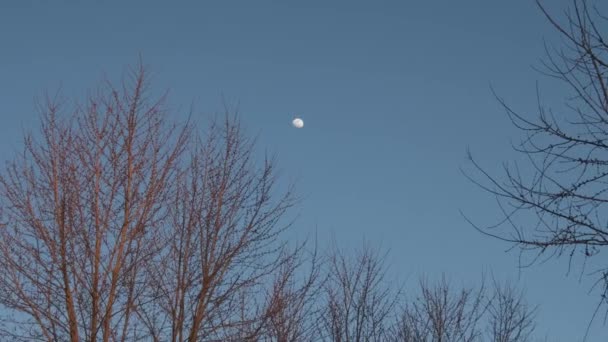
(80, 207)
(222, 240)
(440, 315)
(359, 302)
(118, 225)
(293, 305)
(556, 205)
(510, 318)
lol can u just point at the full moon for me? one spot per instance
(297, 123)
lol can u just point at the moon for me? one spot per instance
(297, 123)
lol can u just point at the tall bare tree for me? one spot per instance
(80, 207)
(222, 238)
(119, 225)
(556, 205)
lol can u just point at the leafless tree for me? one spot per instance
(81, 205)
(443, 314)
(510, 318)
(358, 302)
(361, 304)
(118, 225)
(222, 240)
(293, 306)
(556, 205)
(439, 314)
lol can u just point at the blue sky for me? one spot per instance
(392, 93)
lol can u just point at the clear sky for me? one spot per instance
(391, 92)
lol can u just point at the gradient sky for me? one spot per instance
(392, 93)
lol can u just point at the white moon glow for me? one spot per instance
(297, 123)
